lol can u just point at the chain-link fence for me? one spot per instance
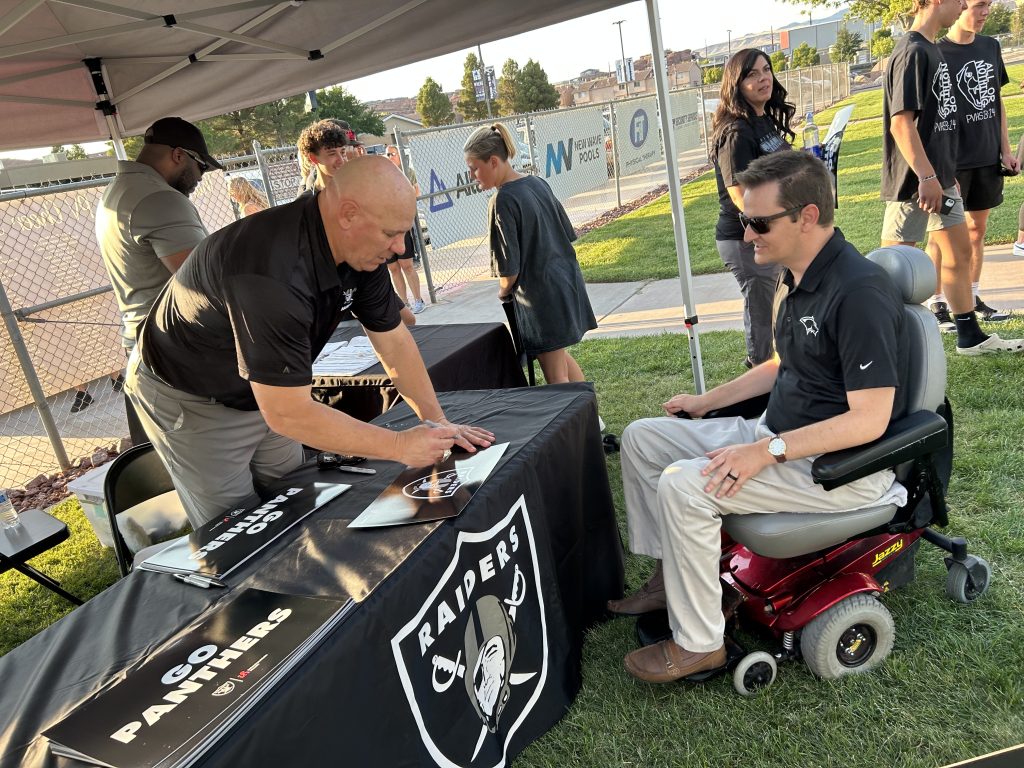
(60, 334)
(596, 158)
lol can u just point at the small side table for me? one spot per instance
(37, 533)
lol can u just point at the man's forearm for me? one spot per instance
(320, 426)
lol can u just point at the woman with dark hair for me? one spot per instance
(752, 119)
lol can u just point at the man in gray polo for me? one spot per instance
(146, 226)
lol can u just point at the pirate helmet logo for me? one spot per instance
(438, 485)
(490, 648)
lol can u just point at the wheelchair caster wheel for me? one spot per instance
(611, 443)
(968, 581)
(755, 672)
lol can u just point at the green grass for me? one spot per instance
(640, 245)
(951, 688)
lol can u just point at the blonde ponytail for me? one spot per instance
(490, 140)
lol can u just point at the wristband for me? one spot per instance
(927, 178)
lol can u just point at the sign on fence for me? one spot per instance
(686, 122)
(636, 135)
(570, 151)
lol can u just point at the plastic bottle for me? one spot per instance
(8, 514)
(812, 141)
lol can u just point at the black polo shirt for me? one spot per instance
(257, 301)
(839, 331)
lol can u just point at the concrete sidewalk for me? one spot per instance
(655, 306)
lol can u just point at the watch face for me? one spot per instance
(777, 446)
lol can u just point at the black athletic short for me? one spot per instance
(410, 249)
(980, 188)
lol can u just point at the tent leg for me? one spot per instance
(675, 196)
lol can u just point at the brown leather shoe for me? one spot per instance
(666, 662)
(650, 597)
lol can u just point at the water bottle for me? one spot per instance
(8, 514)
(812, 141)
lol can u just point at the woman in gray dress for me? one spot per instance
(532, 254)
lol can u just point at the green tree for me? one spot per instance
(510, 96)
(433, 106)
(884, 11)
(999, 21)
(537, 92)
(846, 46)
(470, 108)
(77, 152)
(779, 63)
(882, 43)
(275, 124)
(340, 104)
(804, 56)
(1017, 25)
(712, 75)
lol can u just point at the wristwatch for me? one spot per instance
(777, 448)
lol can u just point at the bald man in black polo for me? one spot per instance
(221, 376)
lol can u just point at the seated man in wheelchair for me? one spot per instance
(835, 383)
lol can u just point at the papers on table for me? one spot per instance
(345, 358)
(227, 541)
(422, 494)
(176, 704)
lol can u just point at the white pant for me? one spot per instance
(672, 519)
(214, 454)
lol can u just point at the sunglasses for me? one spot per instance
(763, 224)
(392, 154)
(203, 165)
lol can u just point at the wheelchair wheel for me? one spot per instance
(755, 672)
(966, 582)
(853, 636)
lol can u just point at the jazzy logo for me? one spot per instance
(439, 485)
(474, 658)
(974, 80)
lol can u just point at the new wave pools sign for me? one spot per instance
(571, 155)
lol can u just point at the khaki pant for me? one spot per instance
(215, 455)
(672, 519)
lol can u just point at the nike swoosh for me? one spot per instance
(865, 366)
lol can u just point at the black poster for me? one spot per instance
(228, 541)
(173, 706)
(422, 494)
(474, 658)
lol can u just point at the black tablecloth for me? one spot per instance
(541, 531)
(457, 357)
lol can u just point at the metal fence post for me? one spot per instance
(800, 93)
(704, 119)
(261, 161)
(615, 156)
(417, 233)
(34, 385)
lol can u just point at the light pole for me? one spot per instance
(729, 33)
(622, 52)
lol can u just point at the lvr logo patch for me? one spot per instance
(474, 659)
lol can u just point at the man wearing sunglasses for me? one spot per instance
(840, 352)
(146, 226)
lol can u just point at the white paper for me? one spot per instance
(345, 358)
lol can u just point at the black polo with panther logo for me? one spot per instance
(840, 330)
(257, 301)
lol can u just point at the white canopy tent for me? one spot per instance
(89, 70)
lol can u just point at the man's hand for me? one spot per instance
(468, 437)
(1009, 161)
(929, 195)
(730, 467)
(423, 445)
(693, 405)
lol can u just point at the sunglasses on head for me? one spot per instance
(762, 224)
(203, 165)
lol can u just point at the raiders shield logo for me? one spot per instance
(438, 485)
(474, 659)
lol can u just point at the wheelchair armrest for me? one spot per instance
(908, 438)
(748, 409)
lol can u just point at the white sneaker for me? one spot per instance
(991, 345)
(1018, 249)
(418, 306)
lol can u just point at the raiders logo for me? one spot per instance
(474, 659)
(440, 485)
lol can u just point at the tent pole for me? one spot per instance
(675, 196)
(115, 137)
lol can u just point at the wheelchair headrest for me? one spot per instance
(910, 269)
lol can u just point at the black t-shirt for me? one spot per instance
(257, 301)
(978, 72)
(918, 80)
(740, 144)
(839, 331)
